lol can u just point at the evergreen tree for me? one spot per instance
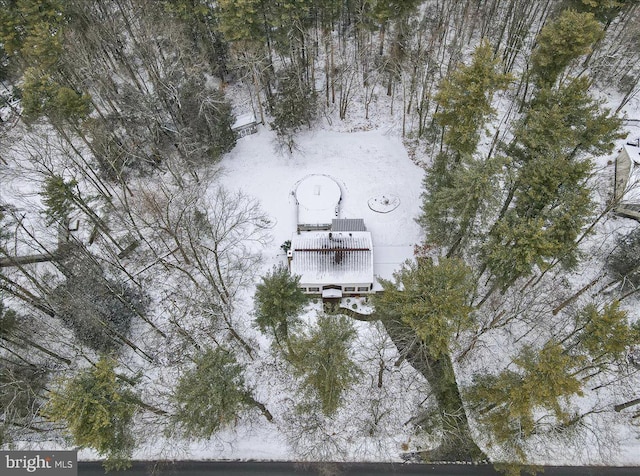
(432, 299)
(564, 121)
(278, 302)
(464, 99)
(31, 30)
(549, 201)
(506, 404)
(242, 20)
(623, 261)
(289, 21)
(98, 411)
(604, 10)
(41, 95)
(203, 121)
(201, 18)
(294, 104)
(456, 205)
(605, 335)
(458, 187)
(425, 308)
(323, 360)
(211, 395)
(389, 10)
(561, 41)
(99, 310)
(58, 198)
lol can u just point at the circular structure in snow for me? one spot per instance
(384, 203)
(318, 197)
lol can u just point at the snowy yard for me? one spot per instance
(365, 165)
(166, 167)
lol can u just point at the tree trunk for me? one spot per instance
(628, 404)
(457, 443)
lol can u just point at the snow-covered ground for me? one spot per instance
(374, 423)
(366, 165)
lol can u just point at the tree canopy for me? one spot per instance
(98, 410)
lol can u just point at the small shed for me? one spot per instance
(245, 124)
(626, 187)
(317, 202)
(333, 264)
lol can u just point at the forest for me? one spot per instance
(144, 313)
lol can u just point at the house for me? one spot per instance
(317, 202)
(626, 187)
(245, 124)
(333, 256)
(332, 263)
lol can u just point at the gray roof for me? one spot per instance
(348, 224)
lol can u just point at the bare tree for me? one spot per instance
(206, 238)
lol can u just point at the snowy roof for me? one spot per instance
(244, 120)
(628, 174)
(348, 224)
(326, 258)
(317, 197)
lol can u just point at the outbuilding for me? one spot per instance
(626, 188)
(245, 124)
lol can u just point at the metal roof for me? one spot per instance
(326, 258)
(348, 224)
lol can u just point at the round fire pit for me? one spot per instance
(383, 203)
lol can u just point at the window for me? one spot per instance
(349, 289)
(304, 290)
(363, 288)
(314, 290)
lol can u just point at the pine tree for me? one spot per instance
(323, 361)
(201, 18)
(211, 395)
(459, 187)
(295, 104)
(31, 30)
(423, 311)
(456, 204)
(604, 10)
(242, 20)
(99, 310)
(561, 41)
(203, 121)
(432, 299)
(278, 302)
(464, 99)
(58, 198)
(623, 261)
(549, 201)
(605, 335)
(506, 403)
(97, 409)
(41, 95)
